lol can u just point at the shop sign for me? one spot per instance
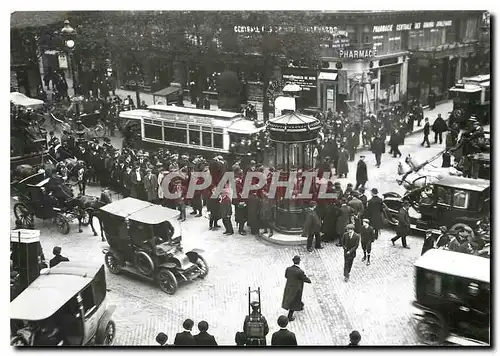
(357, 53)
(306, 79)
(189, 119)
(412, 26)
(286, 29)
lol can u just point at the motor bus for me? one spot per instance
(471, 96)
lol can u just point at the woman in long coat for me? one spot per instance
(342, 166)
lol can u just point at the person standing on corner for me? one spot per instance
(439, 126)
(225, 211)
(283, 337)
(292, 296)
(312, 227)
(427, 129)
(351, 243)
(403, 228)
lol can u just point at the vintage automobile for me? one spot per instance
(471, 96)
(450, 201)
(452, 298)
(145, 239)
(33, 200)
(65, 306)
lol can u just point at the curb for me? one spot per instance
(291, 240)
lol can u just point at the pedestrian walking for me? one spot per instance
(394, 142)
(426, 133)
(185, 338)
(374, 211)
(312, 227)
(283, 337)
(354, 338)
(81, 177)
(367, 237)
(378, 148)
(203, 338)
(292, 296)
(351, 243)
(255, 326)
(361, 173)
(403, 228)
(439, 126)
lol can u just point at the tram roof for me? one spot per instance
(192, 111)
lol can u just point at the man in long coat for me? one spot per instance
(292, 297)
(378, 148)
(373, 212)
(312, 227)
(350, 244)
(361, 173)
(403, 228)
(342, 221)
(342, 166)
(151, 186)
(253, 212)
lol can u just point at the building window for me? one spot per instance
(470, 30)
(152, 131)
(388, 42)
(425, 38)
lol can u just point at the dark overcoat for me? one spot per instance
(374, 212)
(253, 210)
(312, 223)
(283, 337)
(330, 220)
(361, 172)
(342, 164)
(343, 219)
(292, 297)
(225, 209)
(403, 228)
(213, 206)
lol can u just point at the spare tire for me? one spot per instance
(144, 263)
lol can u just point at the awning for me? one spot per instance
(327, 76)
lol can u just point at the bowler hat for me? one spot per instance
(296, 258)
(374, 190)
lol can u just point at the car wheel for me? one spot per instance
(85, 217)
(430, 331)
(203, 266)
(22, 213)
(167, 281)
(112, 263)
(109, 333)
(62, 224)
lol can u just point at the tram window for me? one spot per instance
(207, 139)
(152, 131)
(194, 137)
(175, 135)
(460, 199)
(218, 142)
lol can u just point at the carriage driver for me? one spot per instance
(56, 186)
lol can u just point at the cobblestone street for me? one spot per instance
(376, 301)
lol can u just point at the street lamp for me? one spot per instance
(68, 34)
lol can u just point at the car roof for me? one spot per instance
(52, 289)
(477, 185)
(140, 211)
(455, 264)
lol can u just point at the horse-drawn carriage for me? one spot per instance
(145, 239)
(38, 196)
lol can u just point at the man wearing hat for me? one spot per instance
(57, 257)
(292, 296)
(350, 244)
(312, 227)
(444, 238)
(374, 209)
(150, 185)
(429, 241)
(403, 228)
(255, 326)
(367, 237)
(361, 173)
(283, 337)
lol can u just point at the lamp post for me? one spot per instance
(68, 33)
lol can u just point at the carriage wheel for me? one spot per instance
(203, 266)
(22, 213)
(109, 333)
(99, 131)
(62, 224)
(112, 263)
(85, 218)
(429, 331)
(167, 281)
